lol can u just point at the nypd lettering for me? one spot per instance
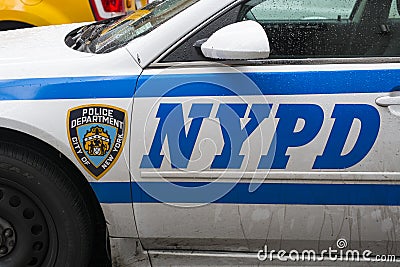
(171, 129)
(97, 134)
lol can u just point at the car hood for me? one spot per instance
(41, 52)
(37, 44)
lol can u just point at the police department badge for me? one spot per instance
(97, 135)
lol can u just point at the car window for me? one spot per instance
(301, 9)
(394, 13)
(327, 28)
(306, 29)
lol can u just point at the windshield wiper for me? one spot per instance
(81, 38)
(84, 36)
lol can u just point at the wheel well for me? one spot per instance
(12, 25)
(101, 238)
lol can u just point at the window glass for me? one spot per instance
(301, 9)
(394, 13)
(327, 28)
(140, 22)
(304, 29)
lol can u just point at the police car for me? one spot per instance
(199, 132)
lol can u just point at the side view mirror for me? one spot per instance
(241, 40)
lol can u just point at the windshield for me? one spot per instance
(118, 33)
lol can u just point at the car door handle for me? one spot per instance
(386, 101)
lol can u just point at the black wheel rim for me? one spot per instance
(24, 227)
(7, 236)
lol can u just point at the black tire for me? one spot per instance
(49, 219)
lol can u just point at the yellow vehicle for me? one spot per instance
(27, 13)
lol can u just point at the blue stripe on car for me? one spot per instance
(268, 83)
(68, 88)
(279, 193)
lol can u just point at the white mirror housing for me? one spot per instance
(242, 40)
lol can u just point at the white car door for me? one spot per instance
(292, 152)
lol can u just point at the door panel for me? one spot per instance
(304, 158)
